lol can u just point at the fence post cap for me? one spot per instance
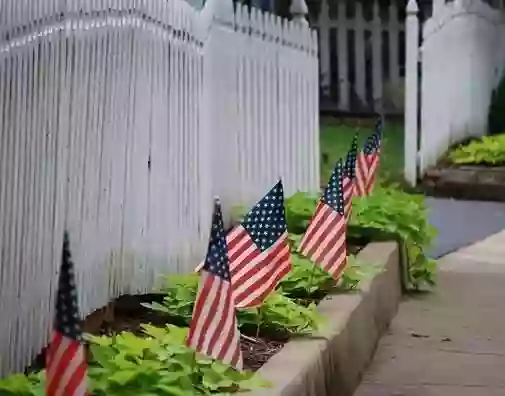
(299, 10)
(412, 7)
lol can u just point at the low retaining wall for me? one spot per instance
(466, 182)
(332, 362)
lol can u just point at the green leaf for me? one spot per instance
(123, 377)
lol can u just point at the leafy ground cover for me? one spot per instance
(488, 151)
(389, 213)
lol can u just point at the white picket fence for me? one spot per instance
(462, 58)
(120, 121)
(375, 52)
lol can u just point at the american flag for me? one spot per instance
(259, 250)
(213, 330)
(350, 176)
(66, 364)
(324, 241)
(374, 158)
(368, 162)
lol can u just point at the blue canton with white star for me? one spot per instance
(379, 125)
(266, 222)
(217, 262)
(350, 163)
(373, 142)
(67, 321)
(333, 194)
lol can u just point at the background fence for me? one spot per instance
(462, 58)
(120, 120)
(362, 55)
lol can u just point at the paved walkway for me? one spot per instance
(451, 218)
(450, 342)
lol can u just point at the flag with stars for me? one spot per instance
(66, 364)
(213, 330)
(374, 159)
(368, 162)
(259, 250)
(349, 177)
(324, 241)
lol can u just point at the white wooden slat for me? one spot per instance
(359, 52)
(343, 67)
(394, 31)
(377, 65)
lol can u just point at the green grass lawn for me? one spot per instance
(335, 141)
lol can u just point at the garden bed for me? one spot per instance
(309, 331)
(473, 170)
(128, 313)
(470, 182)
(332, 358)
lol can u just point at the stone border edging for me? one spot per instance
(332, 362)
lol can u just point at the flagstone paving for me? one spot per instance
(452, 341)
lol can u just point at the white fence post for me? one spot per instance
(411, 92)
(299, 10)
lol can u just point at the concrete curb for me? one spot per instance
(332, 362)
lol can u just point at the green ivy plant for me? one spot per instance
(389, 213)
(155, 364)
(278, 312)
(160, 364)
(23, 385)
(489, 150)
(307, 279)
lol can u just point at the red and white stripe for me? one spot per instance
(361, 180)
(66, 367)
(324, 241)
(348, 192)
(255, 274)
(373, 166)
(213, 330)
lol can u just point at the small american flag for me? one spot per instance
(259, 250)
(374, 159)
(213, 330)
(368, 163)
(66, 364)
(324, 241)
(349, 177)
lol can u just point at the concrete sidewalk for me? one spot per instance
(450, 342)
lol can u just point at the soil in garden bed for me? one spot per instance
(130, 315)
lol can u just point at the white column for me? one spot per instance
(324, 48)
(411, 92)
